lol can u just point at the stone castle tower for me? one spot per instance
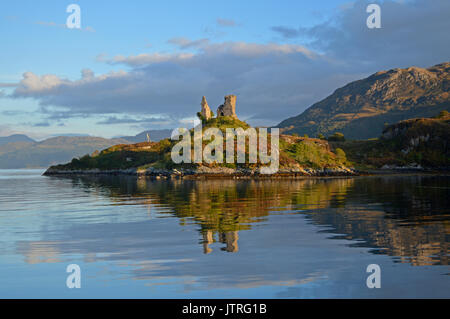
(206, 111)
(228, 108)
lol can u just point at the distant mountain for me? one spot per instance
(155, 136)
(15, 138)
(362, 108)
(51, 151)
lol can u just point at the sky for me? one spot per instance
(138, 65)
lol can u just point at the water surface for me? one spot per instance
(137, 238)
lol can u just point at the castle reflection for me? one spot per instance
(403, 217)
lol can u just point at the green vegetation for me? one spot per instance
(422, 141)
(320, 136)
(340, 155)
(310, 153)
(337, 137)
(361, 108)
(294, 152)
(224, 122)
(443, 114)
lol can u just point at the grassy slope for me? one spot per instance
(423, 141)
(294, 152)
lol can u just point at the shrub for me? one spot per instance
(340, 156)
(443, 114)
(337, 137)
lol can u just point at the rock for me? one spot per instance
(206, 111)
(228, 108)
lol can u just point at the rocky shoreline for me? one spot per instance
(229, 173)
(206, 172)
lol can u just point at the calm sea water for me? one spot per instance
(136, 238)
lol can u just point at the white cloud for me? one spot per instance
(33, 84)
(273, 81)
(412, 33)
(163, 83)
(145, 58)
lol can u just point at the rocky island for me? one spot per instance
(298, 156)
(404, 108)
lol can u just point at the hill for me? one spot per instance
(419, 142)
(50, 151)
(362, 108)
(15, 139)
(297, 155)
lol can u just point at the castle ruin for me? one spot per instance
(228, 108)
(206, 111)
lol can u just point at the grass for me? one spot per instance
(294, 152)
(423, 141)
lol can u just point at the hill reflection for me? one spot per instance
(404, 217)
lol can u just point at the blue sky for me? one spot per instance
(147, 63)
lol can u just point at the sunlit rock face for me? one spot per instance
(361, 109)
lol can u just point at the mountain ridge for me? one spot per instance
(14, 138)
(52, 150)
(20, 151)
(361, 108)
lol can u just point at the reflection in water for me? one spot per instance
(404, 217)
(235, 235)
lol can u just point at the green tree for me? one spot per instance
(443, 114)
(95, 153)
(337, 137)
(340, 155)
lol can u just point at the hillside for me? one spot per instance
(362, 108)
(419, 142)
(297, 154)
(51, 151)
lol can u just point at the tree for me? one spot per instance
(337, 137)
(95, 153)
(320, 136)
(340, 155)
(443, 114)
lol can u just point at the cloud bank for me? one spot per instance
(272, 80)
